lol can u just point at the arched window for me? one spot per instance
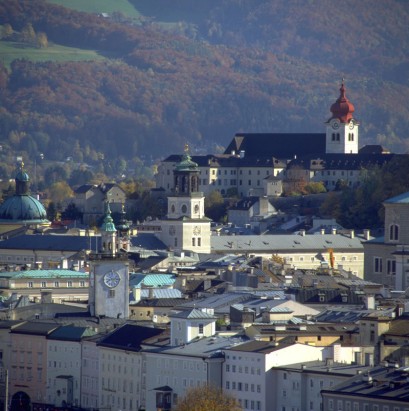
(394, 232)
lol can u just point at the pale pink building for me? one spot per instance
(28, 366)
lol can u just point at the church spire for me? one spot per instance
(108, 233)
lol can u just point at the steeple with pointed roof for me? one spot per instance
(342, 127)
(108, 233)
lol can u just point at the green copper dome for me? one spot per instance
(187, 164)
(108, 225)
(22, 208)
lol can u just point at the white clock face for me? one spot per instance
(351, 125)
(196, 230)
(111, 279)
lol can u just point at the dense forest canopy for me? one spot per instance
(200, 74)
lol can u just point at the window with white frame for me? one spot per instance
(391, 267)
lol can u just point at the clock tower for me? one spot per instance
(109, 275)
(342, 127)
(186, 227)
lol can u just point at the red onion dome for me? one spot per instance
(342, 109)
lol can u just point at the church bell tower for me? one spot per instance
(109, 274)
(186, 227)
(342, 127)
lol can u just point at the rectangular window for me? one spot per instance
(193, 241)
(69, 283)
(391, 266)
(30, 284)
(199, 242)
(201, 328)
(56, 284)
(111, 293)
(378, 264)
(43, 284)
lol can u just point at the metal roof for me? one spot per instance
(162, 293)
(193, 314)
(137, 280)
(71, 333)
(400, 199)
(285, 243)
(44, 274)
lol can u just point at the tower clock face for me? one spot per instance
(351, 125)
(196, 230)
(111, 279)
(335, 125)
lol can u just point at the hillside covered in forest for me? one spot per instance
(198, 72)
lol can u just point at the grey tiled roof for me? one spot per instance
(193, 314)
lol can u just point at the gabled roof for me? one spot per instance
(71, 333)
(399, 199)
(193, 314)
(245, 203)
(280, 145)
(84, 188)
(129, 337)
(103, 187)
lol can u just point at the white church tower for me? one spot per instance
(109, 275)
(186, 228)
(342, 127)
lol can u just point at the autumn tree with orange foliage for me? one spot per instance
(207, 398)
